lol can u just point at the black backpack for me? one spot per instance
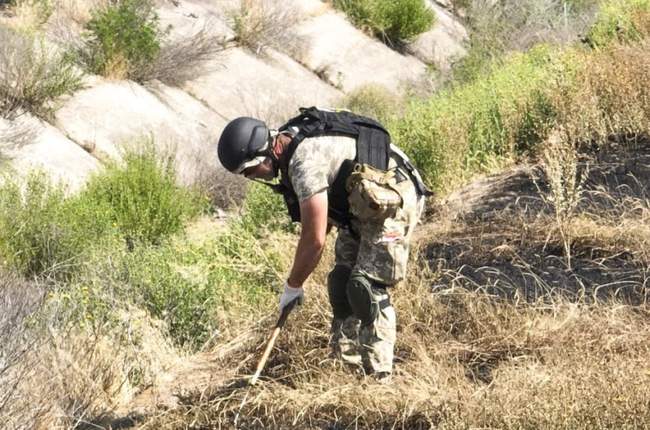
(373, 148)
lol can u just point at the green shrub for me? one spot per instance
(263, 210)
(122, 40)
(145, 202)
(32, 77)
(622, 21)
(395, 22)
(153, 279)
(42, 233)
(193, 289)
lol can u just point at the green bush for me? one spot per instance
(395, 22)
(192, 288)
(122, 40)
(42, 233)
(145, 202)
(622, 21)
(263, 210)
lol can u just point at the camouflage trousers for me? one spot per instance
(371, 257)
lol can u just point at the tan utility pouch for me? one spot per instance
(372, 193)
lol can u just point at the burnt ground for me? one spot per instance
(502, 237)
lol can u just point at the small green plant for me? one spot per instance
(145, 202)
(32, 76)
(122, 40)
(263, 210)
(395, 22)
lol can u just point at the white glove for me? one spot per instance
(289, 294)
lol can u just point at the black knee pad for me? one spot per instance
(362, 300)
(337, 282)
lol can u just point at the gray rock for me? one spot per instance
(444, 43)
(183, 18)
(347, 58)
(271, 89)
(109, 116)
(36, 145)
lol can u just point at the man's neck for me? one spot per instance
(281, 147)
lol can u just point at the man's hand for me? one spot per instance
(289, 294)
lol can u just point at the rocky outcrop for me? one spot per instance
(108, 116)
(346, 58)
(36, 145)
(444, 43)
(271, 88)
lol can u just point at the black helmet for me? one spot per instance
(241, 140)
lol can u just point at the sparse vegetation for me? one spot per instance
(186, 58)
(497, 28)
(264, 24)
(622, 21)
(374, 101)
(394, 22)
(32, 76)
(122, 40)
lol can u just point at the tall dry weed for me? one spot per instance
(19, 300)
(185, 58)
(565, 177)
(265, 24)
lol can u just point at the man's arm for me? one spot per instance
(313, 215)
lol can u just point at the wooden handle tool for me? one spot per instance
(274, 335)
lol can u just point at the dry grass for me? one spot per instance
(609, 105)
(188, 57)
(265, 24)
(28, 15)
(463, 360)
(494, 331)
(32, 76)
(18, 300)
(74, 377)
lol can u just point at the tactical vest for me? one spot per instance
(373, 148)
